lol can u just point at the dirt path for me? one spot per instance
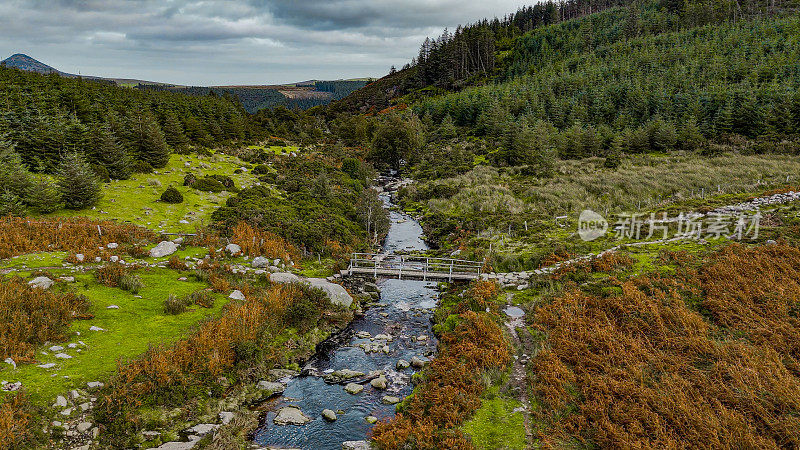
(518, 381)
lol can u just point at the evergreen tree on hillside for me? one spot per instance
(109, 153)
(77, 182)
(173, 132)
(147, 140)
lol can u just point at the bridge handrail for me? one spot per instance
(413, 263)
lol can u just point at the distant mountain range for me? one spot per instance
(302, 95)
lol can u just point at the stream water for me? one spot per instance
(404, 313)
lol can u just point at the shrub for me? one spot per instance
(189, 179)
(225, 180)
(208, 184)
(110, 274)
(140, 166)
(29, 317)
(15, 416)
(76, 235)
(202, 298)
(172, 195)
(78, 184)
(175, 263)
(131, 283)
(612, 161)
(175, 305)
(262, 169)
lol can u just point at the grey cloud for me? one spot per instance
(227, 41)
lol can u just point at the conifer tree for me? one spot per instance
(77, 182)
(147, 139)
(109, 153)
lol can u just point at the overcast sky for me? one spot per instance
(216, 42)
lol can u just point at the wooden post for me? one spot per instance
(451, 271)
(425, 270)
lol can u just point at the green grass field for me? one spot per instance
(129, 330)
(137, 200)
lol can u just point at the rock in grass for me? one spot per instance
(328, 415)
(56, 348)
(202, 429)
(233, 249)
(83, 427)
(164, 248)
(291, 415)
(259, 262)
(225, 417)
(284, 278)
(41, 283)
(95, 385)
(236, 295)
(63, 356)
(61, 402)
(353, 388)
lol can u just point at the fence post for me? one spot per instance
(400, 273)
(450, 278)
(425, 270)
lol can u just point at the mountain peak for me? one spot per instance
(24, 62)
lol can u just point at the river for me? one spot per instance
(405, 310)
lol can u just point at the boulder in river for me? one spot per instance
(379, 383)
(402, 364)
(291, 415)
(390, 400)
(341, 376)
(417, 363)
(353, 388)
(328, 415)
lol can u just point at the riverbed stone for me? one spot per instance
(402, 364)
(291, 415)
(353, 388)
(272, 387)
(390, 400)
(417, 363)
(328, 415)
(371, 419)
(342, 375)
(356, 445)
(379, 383)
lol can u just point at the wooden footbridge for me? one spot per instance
(413, 267)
